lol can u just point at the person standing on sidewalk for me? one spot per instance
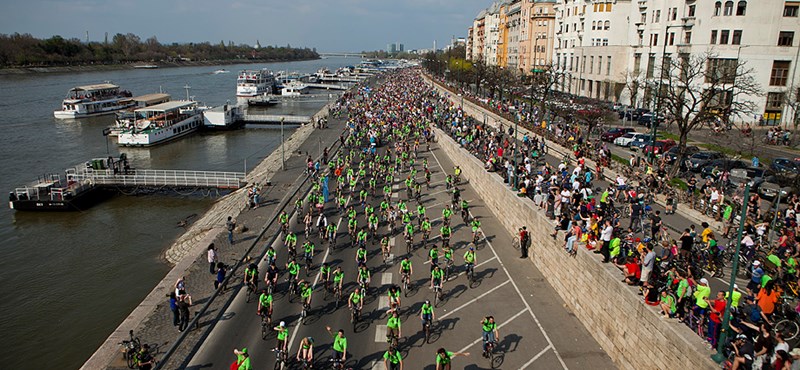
(212, 258)
(184, 301)
(230, 225)
(605, 237)
(524, 241)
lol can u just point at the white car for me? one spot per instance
(627, 139)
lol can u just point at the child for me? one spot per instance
(670, 209)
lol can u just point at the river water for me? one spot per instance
(69, 279)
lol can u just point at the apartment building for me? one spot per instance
(605, 45)
(513, 28)
(478, 37)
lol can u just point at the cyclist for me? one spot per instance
(457, 174)
(433, 256)
(420, 214)
(144, 359)
(242, 359)
(476, 225)
(444, 358)
(271, 277)
(308, 253)
(425, 227)
(361, 255)
(446, 213)
(393, 359)
(270, 255)
(385, 247)
(394, 297)
(436, 277)
(325, 274)
(426, 314)
(305, 293)
(363, 277)
(284, 220)
(306, 350)
(280, 344)
(445, 231)
(290, 242)
(393, 326)
(361, 239)
(338, 278)
(456, 197)
(251, 276)
(294, 269)
(339, 344)
(406, 270)
(464, 210)
(331, 233)
(490, 333)
(356, 300)
(448, 182)
(265, 305)
(469, 257)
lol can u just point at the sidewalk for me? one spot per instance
(153, 315)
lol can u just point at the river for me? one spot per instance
(69, 279)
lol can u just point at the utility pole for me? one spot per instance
(283, 148)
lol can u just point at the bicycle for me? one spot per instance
(251, 289)
(355, 315)
(130, 348)
(489, 353)
(409, 245)
(437, 294)
(515, 242)
(266, 321)
(281, 359)
(426, 327)
(470, 273)
(304, 313)
(476, 237)
(406, 280)
(392, 339)
(292, 288)
(448, 267)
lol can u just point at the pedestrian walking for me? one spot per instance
(231, 225)
(221, 272)
(212, 258)
(173, 306)
(184, 301)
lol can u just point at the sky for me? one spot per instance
(328, 25)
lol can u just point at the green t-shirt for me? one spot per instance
(393, 322)
(338, 276)
(488, 326)
(339, 343)
(355, 298)
(670, 301)
(683, 287)
(699, 294)
(427, 309)
(469, 257)
(405, 265)
(244, 362)
(393, 357)
(265, 300)
(444, 360)
(437, 274)
(283, 333)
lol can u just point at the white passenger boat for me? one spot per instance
(162, 122)
(221, 71)
(93, 100)
(294, 88)
(255, 82)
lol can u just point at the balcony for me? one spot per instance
(642, 3)
(688, 21)
(683, 48)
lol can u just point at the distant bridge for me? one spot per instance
(342, 54)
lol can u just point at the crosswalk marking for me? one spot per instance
(386, 278)
(383, 302)
(380, 333)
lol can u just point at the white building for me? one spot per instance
(492, 35)
(606, 44)
(514, 26)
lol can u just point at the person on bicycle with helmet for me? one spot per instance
(489, 333)
(445, 357)
(264, 304)
(469, 257)
(394, 297)
(436, 277)
(426, 313)
(306, 350)
(251, 276)
(280, 343)
(356, 300)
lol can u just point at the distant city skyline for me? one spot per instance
(338, 25)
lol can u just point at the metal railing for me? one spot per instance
(275, 118)
(229, 180)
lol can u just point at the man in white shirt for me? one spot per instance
(212, 257)
(605, 237)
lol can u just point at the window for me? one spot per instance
(674, 14)
(637, 61)
(713, 37)
(723, 37)
(728, 8)
(608, 7)
(594, 25)
(717, 8)
(790, 10)
(775, 101)
(594, 7)
(741, 7)
(737, 37)
(658, 16)
(672, 38)
(644, 18)
(607, 25)
(721, 70)
(651, 65)
(599, 65)
(785, 38)
(691, 11)
(655, 39)
(605, 42)
(687, 37)
(608, 65)
(591, 64)
(780, 73)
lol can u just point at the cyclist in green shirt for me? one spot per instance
(265, 305)
(308, 250)
(426, 228)
(446, 213)
(251, 276)
(489, 331)
(445, 357)
(270, 255)
(325, 272)
(281, 336)
(293, 268)
(363, 277)
(356, 300)
(406, 269)
(393, 326)
(361, 255)
(436, 277)
(331, 232)
(426, 314)
(394, 297)
(290, 242)
(305, 292)
(339, 344)
(338, 277)
(284, 217)
(433, 256)
(420, 214)
(362, 238)
(445, 231)
(242, 359)
(393, 359)
(476, 225)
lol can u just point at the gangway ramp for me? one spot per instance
(158, 178)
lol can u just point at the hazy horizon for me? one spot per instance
(328, 26)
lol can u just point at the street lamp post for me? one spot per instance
(720, 355)
(283, 148)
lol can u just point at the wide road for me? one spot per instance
(535, 330)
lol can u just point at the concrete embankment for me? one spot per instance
(152, 319)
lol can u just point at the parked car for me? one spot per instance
(745, 175)
(616, 132)
(646, 119)
(641, 141)
(632, 114)
(661, 146)
(721, 164)
(627, 139)
(773, 183)
(785, 165)
(672, 153)
(699, 159)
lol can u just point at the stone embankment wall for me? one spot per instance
(204, 230)
(630, 332)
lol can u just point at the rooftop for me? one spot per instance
(171, 105)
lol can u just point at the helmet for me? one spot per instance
(427, 302)
(282, 324)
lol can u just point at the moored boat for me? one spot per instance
(93, 100)
(255, 82)
(161, 123)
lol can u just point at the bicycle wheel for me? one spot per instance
(264, 331)
(789, 328)
(515, 242)
(278, 364)
(249, 293)
(131, 359)
(427, 333)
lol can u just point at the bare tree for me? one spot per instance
(633, 83)
(701, 88)
(792, 100)
(545, 81)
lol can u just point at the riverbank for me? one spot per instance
(116, 67)
(152, 319)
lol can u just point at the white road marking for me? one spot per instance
(544, 333)
(380, 333)
(377, 365)
(532, 360)
(383, 302)
(473, 300)
(476, 341)
(386, 278)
